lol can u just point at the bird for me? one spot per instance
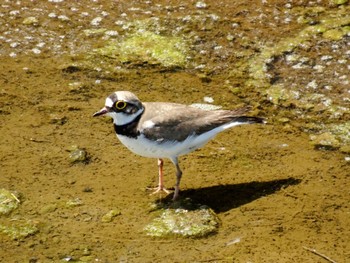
(167, 130)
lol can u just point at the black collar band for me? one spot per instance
(129, 129)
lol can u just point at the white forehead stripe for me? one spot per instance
(109, 102)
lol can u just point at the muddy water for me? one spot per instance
(276, 196)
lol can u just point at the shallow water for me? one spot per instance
(274, 194)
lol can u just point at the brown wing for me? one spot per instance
(176, 122)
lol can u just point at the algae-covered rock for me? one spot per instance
(108, 217)
(258, 65)
(339, 2)
(283, 120)
(58, 119)
(19, 231)
(277, 94)
(48, 208)
(94, 32)
(345, 149)
(139, 47)
(31, 20)
(79, 253)
(73, 203)
(334, 34)
(325, 141)
(198, 222)
(77, 155)
(8, 201)
(86, 259)
(147, 47)
(332, 136)
(341, 131)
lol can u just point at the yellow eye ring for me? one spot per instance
(120, 105)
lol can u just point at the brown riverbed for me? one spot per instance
(278, 199)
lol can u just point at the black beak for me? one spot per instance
(101, 112)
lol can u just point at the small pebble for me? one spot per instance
(208, 99)
(78, 155)
(31, 20)
(96, 21)
(57, 119)
(201, 5)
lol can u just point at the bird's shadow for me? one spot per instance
(222, 198)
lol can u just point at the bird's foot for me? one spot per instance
(159, 189)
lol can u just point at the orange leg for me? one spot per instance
(161, 180)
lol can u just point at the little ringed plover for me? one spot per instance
(167, 130)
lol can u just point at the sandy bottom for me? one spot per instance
(275, 195)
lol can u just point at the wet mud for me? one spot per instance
(277, 196)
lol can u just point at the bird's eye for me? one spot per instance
(120, 105)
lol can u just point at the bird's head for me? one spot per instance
(122, 106)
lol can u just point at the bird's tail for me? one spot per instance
(249, 120)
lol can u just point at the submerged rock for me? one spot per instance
(147, 47)
(8, 201)
(345, 149)
(19, 231)
(77, 155)
(31, 20)
(279, 95)
(339, 2)
(325, 141)
(73, 203)
(108, 217)
(58, 119)
(49, 208)
(334, 34)
(183, 222)
(331, 136)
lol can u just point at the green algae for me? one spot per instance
(78, 156)
(147, 47)
(331, 136)
(108, 217)
(182, 218)
(61, 204)
(325, 141)
(94, 32)
(143, 43)
(277, 94)
(73, 203)
(19, 231)
(31, 20)
(334, 34)
(8, 202)
(48, 208)
(341, 131)
(330, 27)
(345, 149)
(184, 223)
(339, 2)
